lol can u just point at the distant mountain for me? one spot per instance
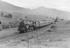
(17, 11)
(51, 12)
(34, 13)
(14, 10)
(4, 6)
(7, 6)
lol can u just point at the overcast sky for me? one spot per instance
(58, 4)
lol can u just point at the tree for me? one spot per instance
(6, 15)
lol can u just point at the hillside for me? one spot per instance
(35, 13)
(51, 12)
(17, 12)
(9, 7)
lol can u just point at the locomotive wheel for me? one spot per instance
(22, 30)
(31, 28)
(27, 27)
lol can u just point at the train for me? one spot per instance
(30, 25)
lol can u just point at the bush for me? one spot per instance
(6, 15)
(14, 24)
(5, 26)
(0, 27)
(52, 28)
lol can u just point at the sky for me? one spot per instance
(57, 4)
